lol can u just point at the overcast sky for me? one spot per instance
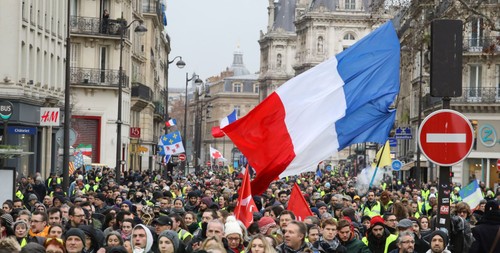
(207, 32)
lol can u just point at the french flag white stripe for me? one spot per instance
(446, 138)
(300, 112)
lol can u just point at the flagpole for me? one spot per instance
(376, 168)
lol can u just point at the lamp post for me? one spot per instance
(180, 64)
(140, 29)
(197, 81)
(67, 113)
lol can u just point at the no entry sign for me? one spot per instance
(445, 137)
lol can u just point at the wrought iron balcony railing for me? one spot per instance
(142, 91)
(481, 44)
(97, 26)
(97, 77)
(479, 96)
(159, 108)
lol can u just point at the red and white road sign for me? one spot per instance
(182, 157)
(498, 165)
(446, 137)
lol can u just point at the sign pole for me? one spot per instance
(443, 214)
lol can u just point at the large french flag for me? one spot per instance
(342, 101)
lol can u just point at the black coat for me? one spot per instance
(485, 233)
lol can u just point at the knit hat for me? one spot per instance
(320, 204)
(207, 201)
(265, 223)
(32, 197)
(172, 236)
(75, 232)
(8, 219)
(376, 220)
(440, 233)
(232, 226)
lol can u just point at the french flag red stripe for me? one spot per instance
(265, 124)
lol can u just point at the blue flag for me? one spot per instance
(170, 144)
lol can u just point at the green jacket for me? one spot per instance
(356, 246)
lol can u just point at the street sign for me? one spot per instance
(403, 133)
(6, 110)
(182, 157)
(396, 165)
(498, 165)
(446, 137)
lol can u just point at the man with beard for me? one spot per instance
(405, 242)
(372, 207)
(439, 241)
(139, 199)
(348, 239)
(378, 238)
(192, 204)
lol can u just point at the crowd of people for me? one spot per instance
(170, 213)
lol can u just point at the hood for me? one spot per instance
(149, 237)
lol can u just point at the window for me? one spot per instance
(256, 88)
(75, 54)
(103, 63)
(278, 60)
(474, 92)
(237, 109)
(477, 31)
(237, 87)
(349, 36)
(350, 4)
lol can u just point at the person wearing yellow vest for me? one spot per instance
(372, 207)
(20, 228)
(404, 226)
(378, 238)
(179, 226)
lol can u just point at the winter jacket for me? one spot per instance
(485, 233)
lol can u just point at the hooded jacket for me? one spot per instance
(149, 240)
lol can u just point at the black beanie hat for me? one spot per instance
(440, 233)
(75, 232)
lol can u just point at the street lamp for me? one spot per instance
(180, 64)
(140, 30)
(197, 81)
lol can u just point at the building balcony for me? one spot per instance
(488, 95)
(97, 77)
(481, 44)
(153, 7)
(159, 110)
(97, 26)
(142, 96)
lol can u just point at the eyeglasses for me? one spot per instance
(233, 239)
(410, 241)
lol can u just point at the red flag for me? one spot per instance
(298, 204)
(217, 133)
(246, 206)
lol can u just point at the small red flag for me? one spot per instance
(298, 204)
(217, 133)
(246, 206)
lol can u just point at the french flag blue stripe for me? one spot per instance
(370, 66)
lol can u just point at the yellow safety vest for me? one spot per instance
(374, 211)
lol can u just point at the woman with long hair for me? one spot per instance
(424, 226)
(259, 244)
(191, 222)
